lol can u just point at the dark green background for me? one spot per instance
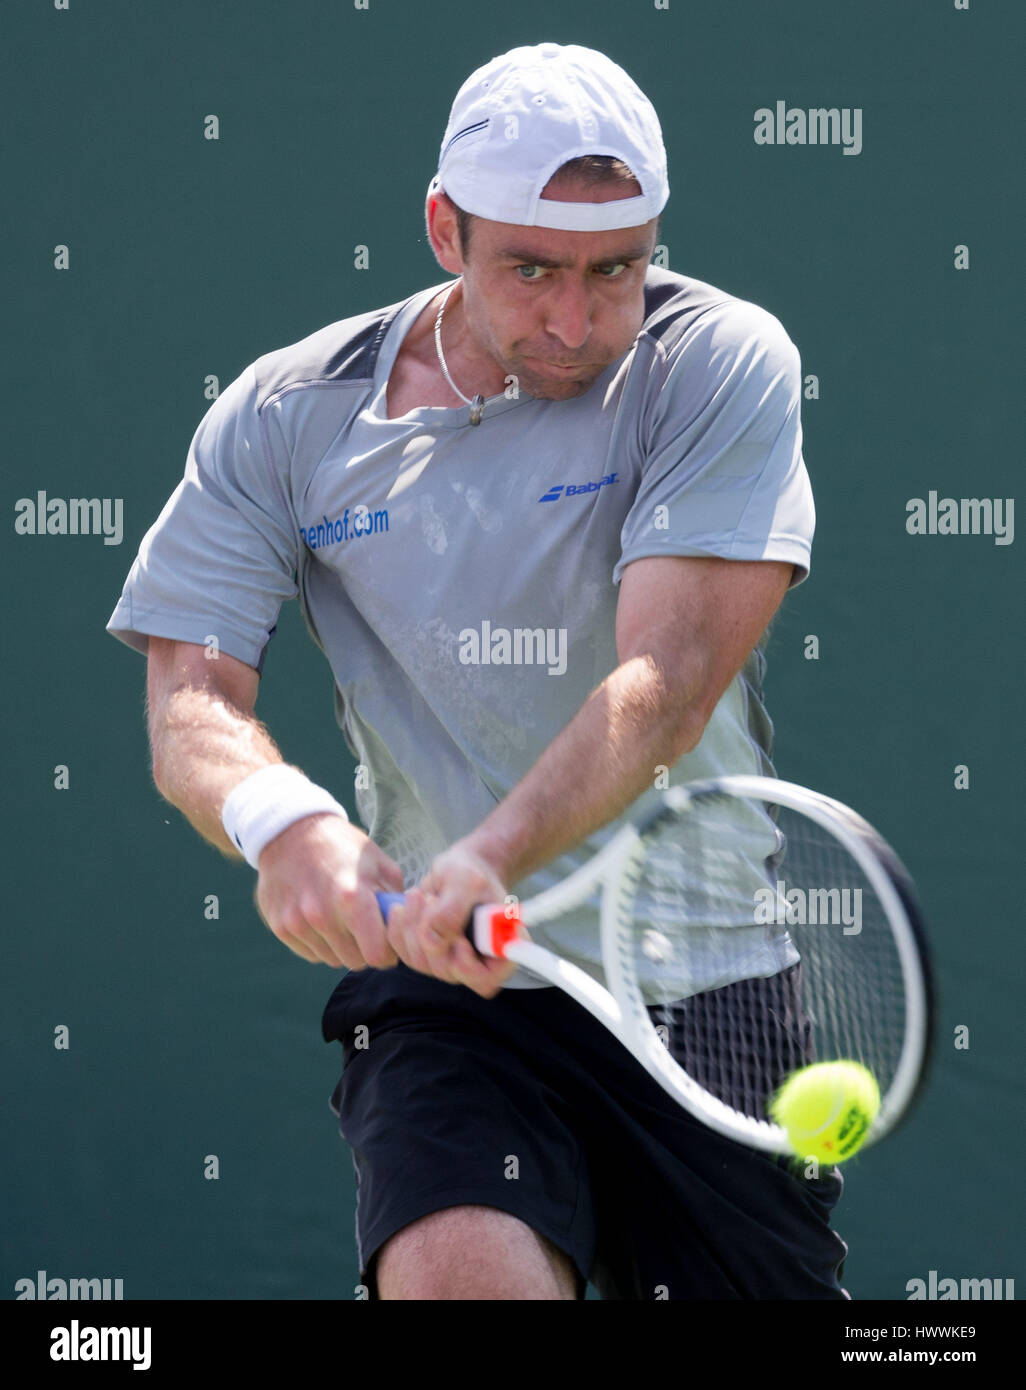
(190, 257)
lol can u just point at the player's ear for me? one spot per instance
(443, 230)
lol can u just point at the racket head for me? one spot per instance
(753, 927)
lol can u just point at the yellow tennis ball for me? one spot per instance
(826, 1109)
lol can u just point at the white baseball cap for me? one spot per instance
(522, 116)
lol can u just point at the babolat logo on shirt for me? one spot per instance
(575, 489)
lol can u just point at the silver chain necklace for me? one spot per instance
(477, 405)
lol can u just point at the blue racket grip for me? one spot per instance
(386, 901)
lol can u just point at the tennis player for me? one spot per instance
(538, 517)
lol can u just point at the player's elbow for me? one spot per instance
(158, 767)
(162, 760)
(671, 705)
(687, 732)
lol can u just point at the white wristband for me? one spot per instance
(268, 802)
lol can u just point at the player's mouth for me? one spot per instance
(560, 368)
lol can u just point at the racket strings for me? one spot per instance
(741, 1041)
(760, 945)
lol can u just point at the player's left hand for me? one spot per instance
(428, 931)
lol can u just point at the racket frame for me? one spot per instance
(623, 1009)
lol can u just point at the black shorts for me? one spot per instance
(526, 1103)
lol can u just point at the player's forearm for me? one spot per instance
(203, 746)
(640, 718)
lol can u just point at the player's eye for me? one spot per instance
(533, 273)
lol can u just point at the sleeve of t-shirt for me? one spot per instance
(722, 471)
(221, 557)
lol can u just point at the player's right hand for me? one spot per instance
(315, 891)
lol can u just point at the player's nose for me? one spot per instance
(568, 313)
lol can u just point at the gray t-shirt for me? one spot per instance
(462, 581)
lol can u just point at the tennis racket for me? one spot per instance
(748, 928)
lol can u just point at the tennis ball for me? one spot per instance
(826, 1109)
